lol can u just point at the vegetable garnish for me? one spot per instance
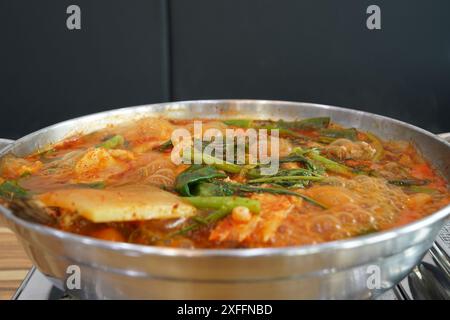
(241, 123)
(194, 174)
(113, 142)
(408, 182)
(349, 134)
(224, 202)
(93, 185)
(305, 124)
(285, 127)
(222, 165)
(421, 189)
(283, 131)
(165, 146)
(209, 189)
(10, 189)
(298, 156)
(330, 164)
(238, 188)
(202, 221)
(254, 174)
(285, 178)
(44, 155)
(223, 207)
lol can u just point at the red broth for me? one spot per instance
(120, 184)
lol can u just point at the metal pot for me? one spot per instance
(358, 268)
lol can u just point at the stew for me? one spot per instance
(121, 183)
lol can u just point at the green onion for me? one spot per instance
(220, 164)
(325, 140)
(255, 173)
(208, 189)
(112, 142)
(305, 124)
(241, 123)
(408, 182)
(202, 221)
(285, 178)
(349, 134)
(11, 189)
(283, 131)
(238, 187)
(223, 206)
(189, 178)
(330, 164)
(283, 127)
(166, 145)
(224, 202)
(297, 156)
(420, 189)
(25, 174)
(44, 154)
(93, 185)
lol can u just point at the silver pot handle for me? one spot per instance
(5, 142)
(445, 136)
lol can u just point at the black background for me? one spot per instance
(144, 51)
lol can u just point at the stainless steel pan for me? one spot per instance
(334, 270)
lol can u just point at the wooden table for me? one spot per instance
(14, 263)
